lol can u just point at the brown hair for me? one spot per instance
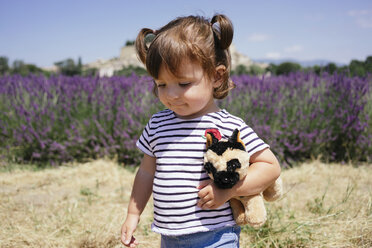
(193, 37)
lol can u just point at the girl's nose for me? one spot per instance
(173, 93)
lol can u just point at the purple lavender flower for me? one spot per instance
(301, 116)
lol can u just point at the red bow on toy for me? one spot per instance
(215, 133)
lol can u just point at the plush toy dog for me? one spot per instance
(227, 162)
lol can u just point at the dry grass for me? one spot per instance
(84, 206)
(324, 206)
(72, 206)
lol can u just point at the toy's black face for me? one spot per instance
(227, 178)
(224, 160)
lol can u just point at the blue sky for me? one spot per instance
(46, 31)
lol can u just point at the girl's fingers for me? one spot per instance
(128, 238)
(123, 232)
(207, 205)
(204, 200)
(203, 184)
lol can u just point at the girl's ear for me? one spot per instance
(218, 78)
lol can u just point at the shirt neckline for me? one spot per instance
(197, 118)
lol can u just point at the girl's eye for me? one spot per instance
(160, 85)
(185, 84)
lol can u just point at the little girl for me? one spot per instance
(189, 60)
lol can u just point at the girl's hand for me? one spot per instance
(212, 197)
(128, 229)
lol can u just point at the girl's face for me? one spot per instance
(191, 94)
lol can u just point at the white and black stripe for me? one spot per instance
(179, 147)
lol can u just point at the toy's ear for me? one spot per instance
(211, 139)
(235, 137)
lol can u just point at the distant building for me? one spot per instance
(128, 57)
(52, 69)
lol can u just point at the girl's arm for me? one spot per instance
(262, 172)
(141, 192)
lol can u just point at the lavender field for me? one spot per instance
(302, 116)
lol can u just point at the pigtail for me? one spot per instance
(224, 31)
(140, 44)
(223, 35)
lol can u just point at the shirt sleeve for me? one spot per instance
(252, 142)
(143, 143)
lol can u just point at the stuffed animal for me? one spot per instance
(227, 162)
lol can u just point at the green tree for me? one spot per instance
(129, 43)
(343, 70)
(368, 64)
(23, 69)
(356, 68)
(33, 69)
(287, 67)
(80, 66)
(317, 69)
(4, 66)
(89, 72)
(331, 68)
(255, 70)
(251, 70)
(19, 67)
(271, 68)
(69, 68)
(127, 71)
(240, 70)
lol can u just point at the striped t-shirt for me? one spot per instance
(179, 147)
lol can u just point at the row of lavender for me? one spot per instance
(302, 116)
(305, 116)
(62, 118)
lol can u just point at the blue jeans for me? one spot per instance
(225, 237)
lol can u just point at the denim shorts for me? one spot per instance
(225, 237)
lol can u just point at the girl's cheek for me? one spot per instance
(161, 94)
(196, 92)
